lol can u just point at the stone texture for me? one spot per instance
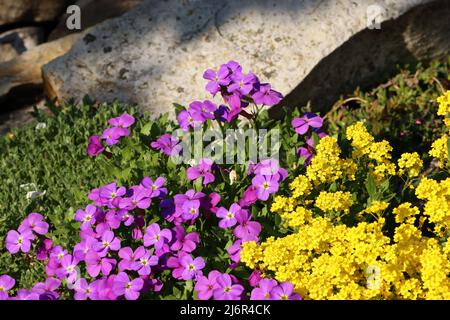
(23, 73)
(14, 42)
(25, 11)
(155, 54)
(94, 12)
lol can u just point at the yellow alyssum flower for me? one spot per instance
(300, 186)
(334, 201)
(405, 212)
(444, 104)
(298, 217)
(439, 150)
(360, 138)
(376, 207)
(410, 164)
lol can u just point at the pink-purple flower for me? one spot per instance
(19, 241)
(308, 120)
(124, 286)
(203, 169)
(228, 216)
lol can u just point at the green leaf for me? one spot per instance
(371, 187)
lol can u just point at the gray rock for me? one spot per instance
(94, 12)
(14, 42)
(25, 11)
(313, 50)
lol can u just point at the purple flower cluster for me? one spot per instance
(111, 136)
(302, 125)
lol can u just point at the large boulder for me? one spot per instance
(311, 50)
(20, 78)
(26, 11)
(14, 42)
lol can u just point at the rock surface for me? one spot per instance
(14, 42)
(94, 12)
(155, 54)
(23, 73)
(25, 11)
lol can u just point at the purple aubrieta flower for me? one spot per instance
(129, 257)
(95, 264)
(189, 119)
(83, 290)
(203, 169)
(302, 124)
(190, 209)
(47, 289)
(191, 267)
(247, 230)
(269, 167)
(34, 222)
(68, 268)
(16, 241)
(234, 251)
(226, 290)
(95, 146)
(217, 79)
(204, 109)
(86, 217)
(242, 83)
(107, 242)
(265, 95)
(285, 291)
(103, 289)
(6, 284)
(157, 187)
(83, 247)
(129, 288)
(249, 197)
(124, 121)
(43, 251)
(265, 185)
(144, 263)
(113, 135)
(167, 144)
(205, 286)
(23, 294)
(139, 198)
(110, 191)
(157, 237)
(228, 216)
(263, 290)
(182, 241)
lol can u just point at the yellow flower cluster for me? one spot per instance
(439, 150)
(361, 256)
(364, 145)
(334, 201)
(444, 104)
(410, 164)
(327, 166)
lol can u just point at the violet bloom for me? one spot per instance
(157, 237)
(254, 278)
(67, 269)
(46, 289)
(110, 220)
(265, 185)
(203, 169)
(157, 187)
(129, 257)
(103, 289)
(95, 146)
(205, 286)
(16, 241)
(167, 144)
(107, 242)
(266, 95)
(213, 200)
(234, 251)
(113, 135)
(247, 230)
(23, 294)
(270, 167)
(226, 290)
(144, 263)
(263, 291)
(6, 283)
(233, 66)
(124, 121)
(44, 250)
(83, 247)
(249, 197)
(86, 217)
(243, 83)
(308, 120)
(140, 198)
(83, 290)
(110, 191)
(306, 153)
(227, 217)
(192, 267)
(190, 209)
(204, 109)
(217, 79)
(124, 286)
(175, 264)
(34, 222)
(189, 119)
(96, 264)
(285, 291)
(182, 241)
